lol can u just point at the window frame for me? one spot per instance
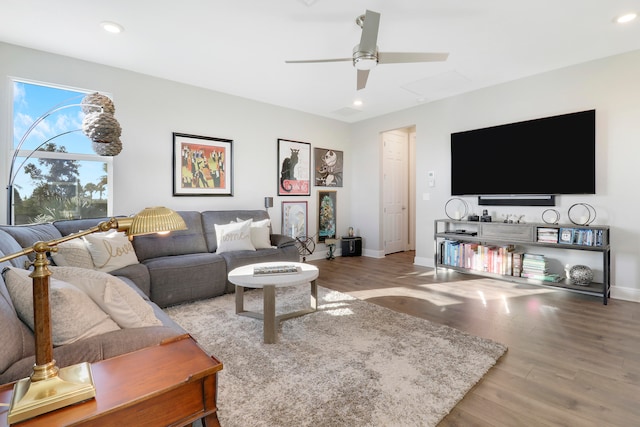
(23, 156)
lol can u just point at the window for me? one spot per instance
(55, 173)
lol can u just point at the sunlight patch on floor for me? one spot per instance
(456, 292)
(337, 309)
(483, 290)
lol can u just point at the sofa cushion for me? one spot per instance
(138, 274)
(73, 253)
(125, 306)
(190, 277)
(260, 233)
(74, 316)
(8, 246)
(211, 218)
(14, 335)
(189, 241)
(235, 236)
(110, 250)
(27, 235)
(70, 226)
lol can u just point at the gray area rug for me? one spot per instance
(351, 363)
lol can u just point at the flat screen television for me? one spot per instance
(547, 156)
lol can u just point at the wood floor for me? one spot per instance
(572, 361)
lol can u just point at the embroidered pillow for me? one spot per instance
(235, 236)
(125, 306)
(110, 250)
(73, 253)
(74, 316)
(260, 233)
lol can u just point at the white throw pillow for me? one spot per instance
(74, 316)
(235, 236)
(110, 250)
(260, 233)
(125, 306)
(73, 253)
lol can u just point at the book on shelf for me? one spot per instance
(474, 256)
(547, 235)
(551, 277)
(581, 236)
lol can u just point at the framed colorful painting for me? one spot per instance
(327, 213)
(202, 166)
(327, 167)
(294, 164)
(294, 219)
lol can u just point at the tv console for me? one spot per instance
(456, 240)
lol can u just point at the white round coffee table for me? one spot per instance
(245, 277)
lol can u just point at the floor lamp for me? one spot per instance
(49, 387)
(99, 124)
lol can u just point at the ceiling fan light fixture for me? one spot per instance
(364, 59)
(364, 63)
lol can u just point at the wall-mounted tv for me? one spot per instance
(547, 156)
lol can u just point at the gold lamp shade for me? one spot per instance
(156, 220)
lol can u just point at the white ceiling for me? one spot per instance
(239, 46)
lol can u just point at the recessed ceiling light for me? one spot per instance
(627, 17)
(357, 102)
(112, 27)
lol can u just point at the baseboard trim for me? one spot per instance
(423, 262)
(625, 294)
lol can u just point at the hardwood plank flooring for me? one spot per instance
(572, 361)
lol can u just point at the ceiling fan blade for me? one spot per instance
(363, 75)
(400, 57)
(306, 61)
(369, 37)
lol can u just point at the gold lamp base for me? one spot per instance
(73, 384)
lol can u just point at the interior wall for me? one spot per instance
(609, 85)
(151, 109)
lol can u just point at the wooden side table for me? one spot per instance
(172, 384)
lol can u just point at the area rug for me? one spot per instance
(351, 363)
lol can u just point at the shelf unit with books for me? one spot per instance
(506, 251)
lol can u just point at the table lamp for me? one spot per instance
(49, 387)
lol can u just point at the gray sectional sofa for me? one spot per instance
(180, 267)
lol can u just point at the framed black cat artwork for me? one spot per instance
(294, 168)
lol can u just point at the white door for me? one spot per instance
(395, 176)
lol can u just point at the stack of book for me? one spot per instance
(535, 267)
(547, 235)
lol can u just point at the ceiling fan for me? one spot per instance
(366, 56)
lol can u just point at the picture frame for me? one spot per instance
(294, 219)
(566, 235)
(294, 164)
(327, 214)
(202, 165)
(328, 167)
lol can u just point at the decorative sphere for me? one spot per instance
(101, 127)
(96, 98)
(581, 275)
